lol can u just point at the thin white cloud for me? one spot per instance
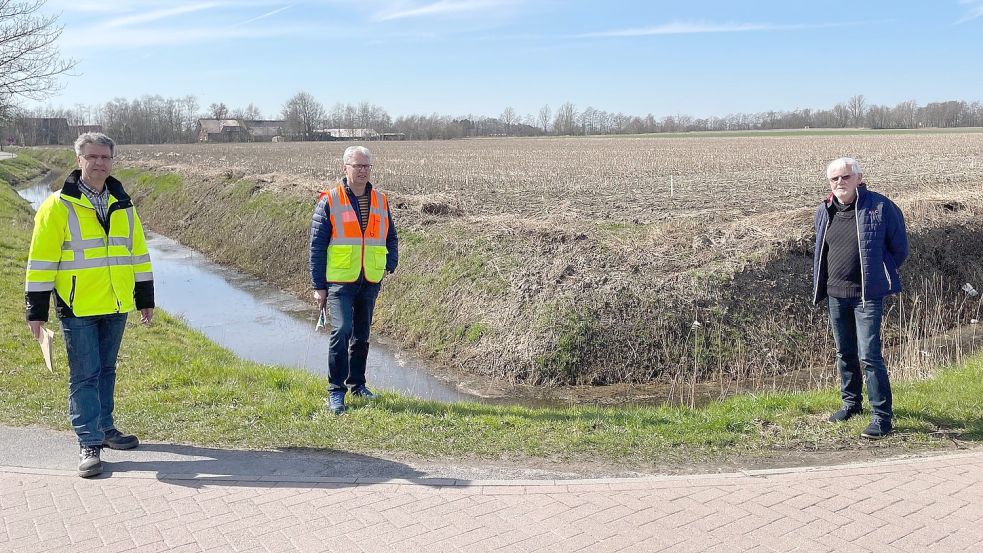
(680, 28)
(82, 7)
(138, 38)
(441, 7)
(157, 15)
(123, 7)
(975, 10)
(264, 16)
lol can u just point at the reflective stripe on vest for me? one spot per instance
(350, 251)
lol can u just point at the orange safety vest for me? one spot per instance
(350, 251)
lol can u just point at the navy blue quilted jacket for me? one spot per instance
(883, 245)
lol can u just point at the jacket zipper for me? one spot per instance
(860, 251)
(71, 294)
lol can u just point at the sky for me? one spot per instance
(476, 57)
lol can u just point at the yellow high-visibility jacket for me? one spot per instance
(93, 268)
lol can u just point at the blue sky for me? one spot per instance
(459, 57)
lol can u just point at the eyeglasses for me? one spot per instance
(838, 178)
(359, 166)
(92, 157)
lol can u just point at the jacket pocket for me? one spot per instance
(340, 257)
(380, 259)
(889, 269)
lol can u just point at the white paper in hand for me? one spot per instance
(321, 320)
(45, 339)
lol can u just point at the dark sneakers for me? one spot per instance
(89, 462)
(845, 414)
(877, 429)
(336, 402)
(362, 391)
(117, 440)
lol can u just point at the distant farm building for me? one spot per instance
(263, 130)
(239, 130)
(357, 134)
(41, 131)
(350, 134)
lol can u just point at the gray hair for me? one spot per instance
(94, 138)
(847, 162)
(352, 150)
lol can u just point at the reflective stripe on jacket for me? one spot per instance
(93, 267)
(350, 251)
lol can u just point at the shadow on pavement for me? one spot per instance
(295, 467)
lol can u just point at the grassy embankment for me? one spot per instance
(175, 385)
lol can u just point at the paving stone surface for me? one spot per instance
(902, 505)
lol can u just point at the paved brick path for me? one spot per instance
(926, 504)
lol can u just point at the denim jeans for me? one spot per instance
(350, 306)
(857, 331)
(93, 344)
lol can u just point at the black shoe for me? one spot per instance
(877, 429)
(362, 391)
(89, 462)
(845, 414)
(115, 439)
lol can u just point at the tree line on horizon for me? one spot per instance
(157, 120)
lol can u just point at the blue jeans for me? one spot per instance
(93, 344)
(857, 331)
(350, 306)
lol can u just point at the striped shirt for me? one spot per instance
(363, 210)
(100, 200)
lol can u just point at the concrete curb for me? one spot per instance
(887, 466)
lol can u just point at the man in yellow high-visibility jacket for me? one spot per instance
(353, 244)
(88, 248)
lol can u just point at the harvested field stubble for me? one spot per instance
(600, 260)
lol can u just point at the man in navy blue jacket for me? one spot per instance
(860, 244)
(353, 244)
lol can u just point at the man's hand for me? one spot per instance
(147, 315)
(320, 298)
(36, 327)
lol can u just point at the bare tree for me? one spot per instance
(544, 118)
(566, 119)
(303, 115)
(29, 60)
(252, 112)
(841, 115)
(218, 110)
(509, 118)
(189, 108)
(349, 117)
(878, 117)
(904, 114)
(857, 105)
(364, 115)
